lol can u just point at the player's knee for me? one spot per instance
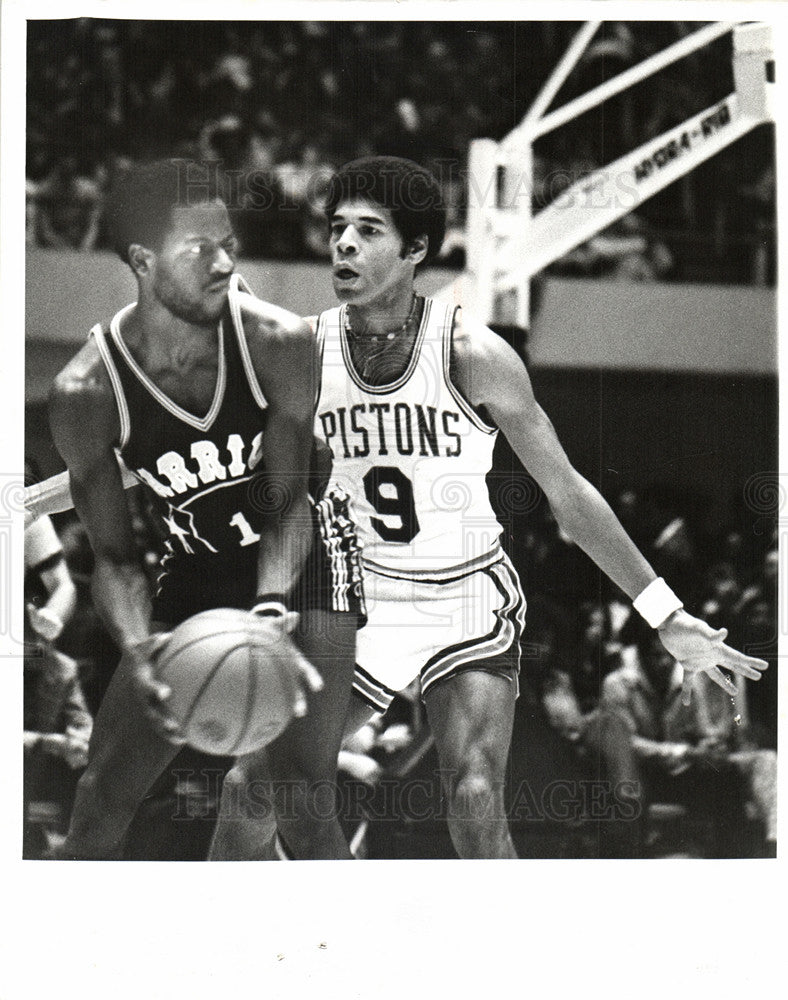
(475, 794)
(235, 777)
(236, 784)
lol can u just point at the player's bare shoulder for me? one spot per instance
(271, 324)
(281, 345)
(82, 398)
(479, 358)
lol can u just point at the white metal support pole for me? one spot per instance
(559, 75)
(647, 68)
(481, 243)
(753, 69)
(512, 306)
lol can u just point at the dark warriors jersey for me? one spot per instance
(204, 469)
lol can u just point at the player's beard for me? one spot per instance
(186, 307)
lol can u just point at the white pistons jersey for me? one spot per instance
(412, 454)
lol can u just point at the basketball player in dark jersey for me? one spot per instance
(208, 395)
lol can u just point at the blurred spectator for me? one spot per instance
(757, 628)
(65, 207)
(303, 181)
(625, 251)
(235, 146)
(57, 723)
(722, 592)
(598, 738)
(689, 754)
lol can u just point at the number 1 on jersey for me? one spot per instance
(390, 492)
(248, 536)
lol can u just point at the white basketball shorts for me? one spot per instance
(436, 625)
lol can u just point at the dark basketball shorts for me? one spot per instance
(330, 581)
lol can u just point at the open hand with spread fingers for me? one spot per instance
(701, 649)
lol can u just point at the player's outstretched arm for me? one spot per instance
(491, 375)
(85, 429)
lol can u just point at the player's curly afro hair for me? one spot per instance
(406, 189)
(140, 202)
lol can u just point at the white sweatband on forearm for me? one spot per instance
(656, 603)
(270, 606)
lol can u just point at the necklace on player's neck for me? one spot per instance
(376, 338)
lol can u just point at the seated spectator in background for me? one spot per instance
(64, 209)
(50, 595)
(599, 739)
(626, 251)
(692, 754)
(57, 723)
(598, 654)
(757, 617)
(721, 594)
(235, 145)
(303, 180)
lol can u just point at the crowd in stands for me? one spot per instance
(280, 104)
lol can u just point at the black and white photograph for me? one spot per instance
(393, 472)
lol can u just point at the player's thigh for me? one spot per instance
(310, 745)
(471, 714)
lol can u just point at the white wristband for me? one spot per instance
(270, 609)
(656, 603)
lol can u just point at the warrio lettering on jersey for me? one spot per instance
(206, 465)
(391, 429)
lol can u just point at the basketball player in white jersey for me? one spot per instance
(413, 395)
(208, 394)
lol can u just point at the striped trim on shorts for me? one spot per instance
(496, 651)
(504, 636)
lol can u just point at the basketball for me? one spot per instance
(231, 680)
